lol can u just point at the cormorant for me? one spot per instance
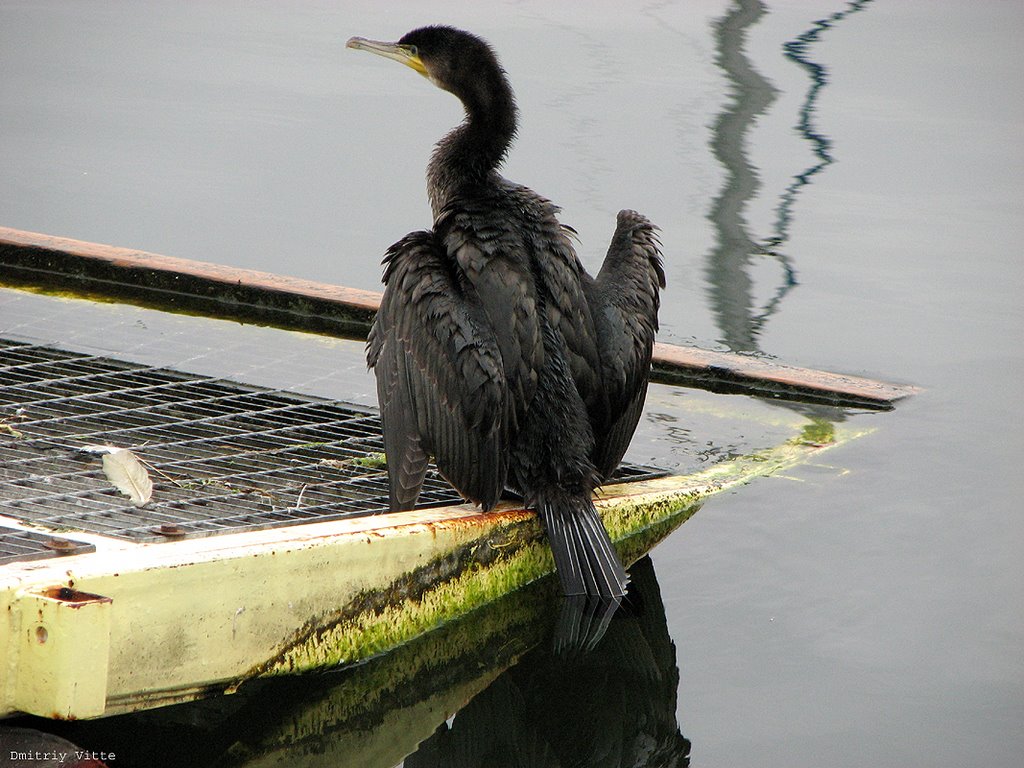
(494, 350)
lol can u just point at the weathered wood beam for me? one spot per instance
(58, 264)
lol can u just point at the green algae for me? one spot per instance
(510, 555)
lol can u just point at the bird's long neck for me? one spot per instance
(466, 156)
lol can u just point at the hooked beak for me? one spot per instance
(404, 54)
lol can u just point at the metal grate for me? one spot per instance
(223, 456)
(16, 544)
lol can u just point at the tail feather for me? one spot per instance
(582, 623)
(586, 561)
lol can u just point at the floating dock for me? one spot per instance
(261, 548)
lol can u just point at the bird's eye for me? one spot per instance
(414, 50)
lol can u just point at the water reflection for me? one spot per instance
(530, 703)
(731, 286)
(612, 706)
(728, 266)
(796, 50)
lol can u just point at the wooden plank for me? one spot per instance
(731, 373)
(32, 260)
(47, 263)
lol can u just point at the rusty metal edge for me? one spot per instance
(57, 264)
(48, 263)
(732, 373)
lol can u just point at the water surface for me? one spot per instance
(838, 186)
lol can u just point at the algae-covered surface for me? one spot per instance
(515, 553)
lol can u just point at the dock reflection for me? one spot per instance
(494, 689)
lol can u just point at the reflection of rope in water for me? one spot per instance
(796, 50)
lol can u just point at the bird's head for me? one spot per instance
(453, 60)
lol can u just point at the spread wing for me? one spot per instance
(440, 379)
(624, 304)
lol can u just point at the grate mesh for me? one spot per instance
(223, 456)
(17, 544)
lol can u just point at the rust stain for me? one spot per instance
(73, 598)
(60, 546)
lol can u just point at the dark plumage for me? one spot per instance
(494, 351)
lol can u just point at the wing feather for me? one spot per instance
(624, 302)
(494, 263)
(440, 381)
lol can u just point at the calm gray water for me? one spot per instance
(838, 187)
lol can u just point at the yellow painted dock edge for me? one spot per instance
(134, 626)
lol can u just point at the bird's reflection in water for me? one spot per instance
(613, 705)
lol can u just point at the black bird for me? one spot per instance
(494, 350)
